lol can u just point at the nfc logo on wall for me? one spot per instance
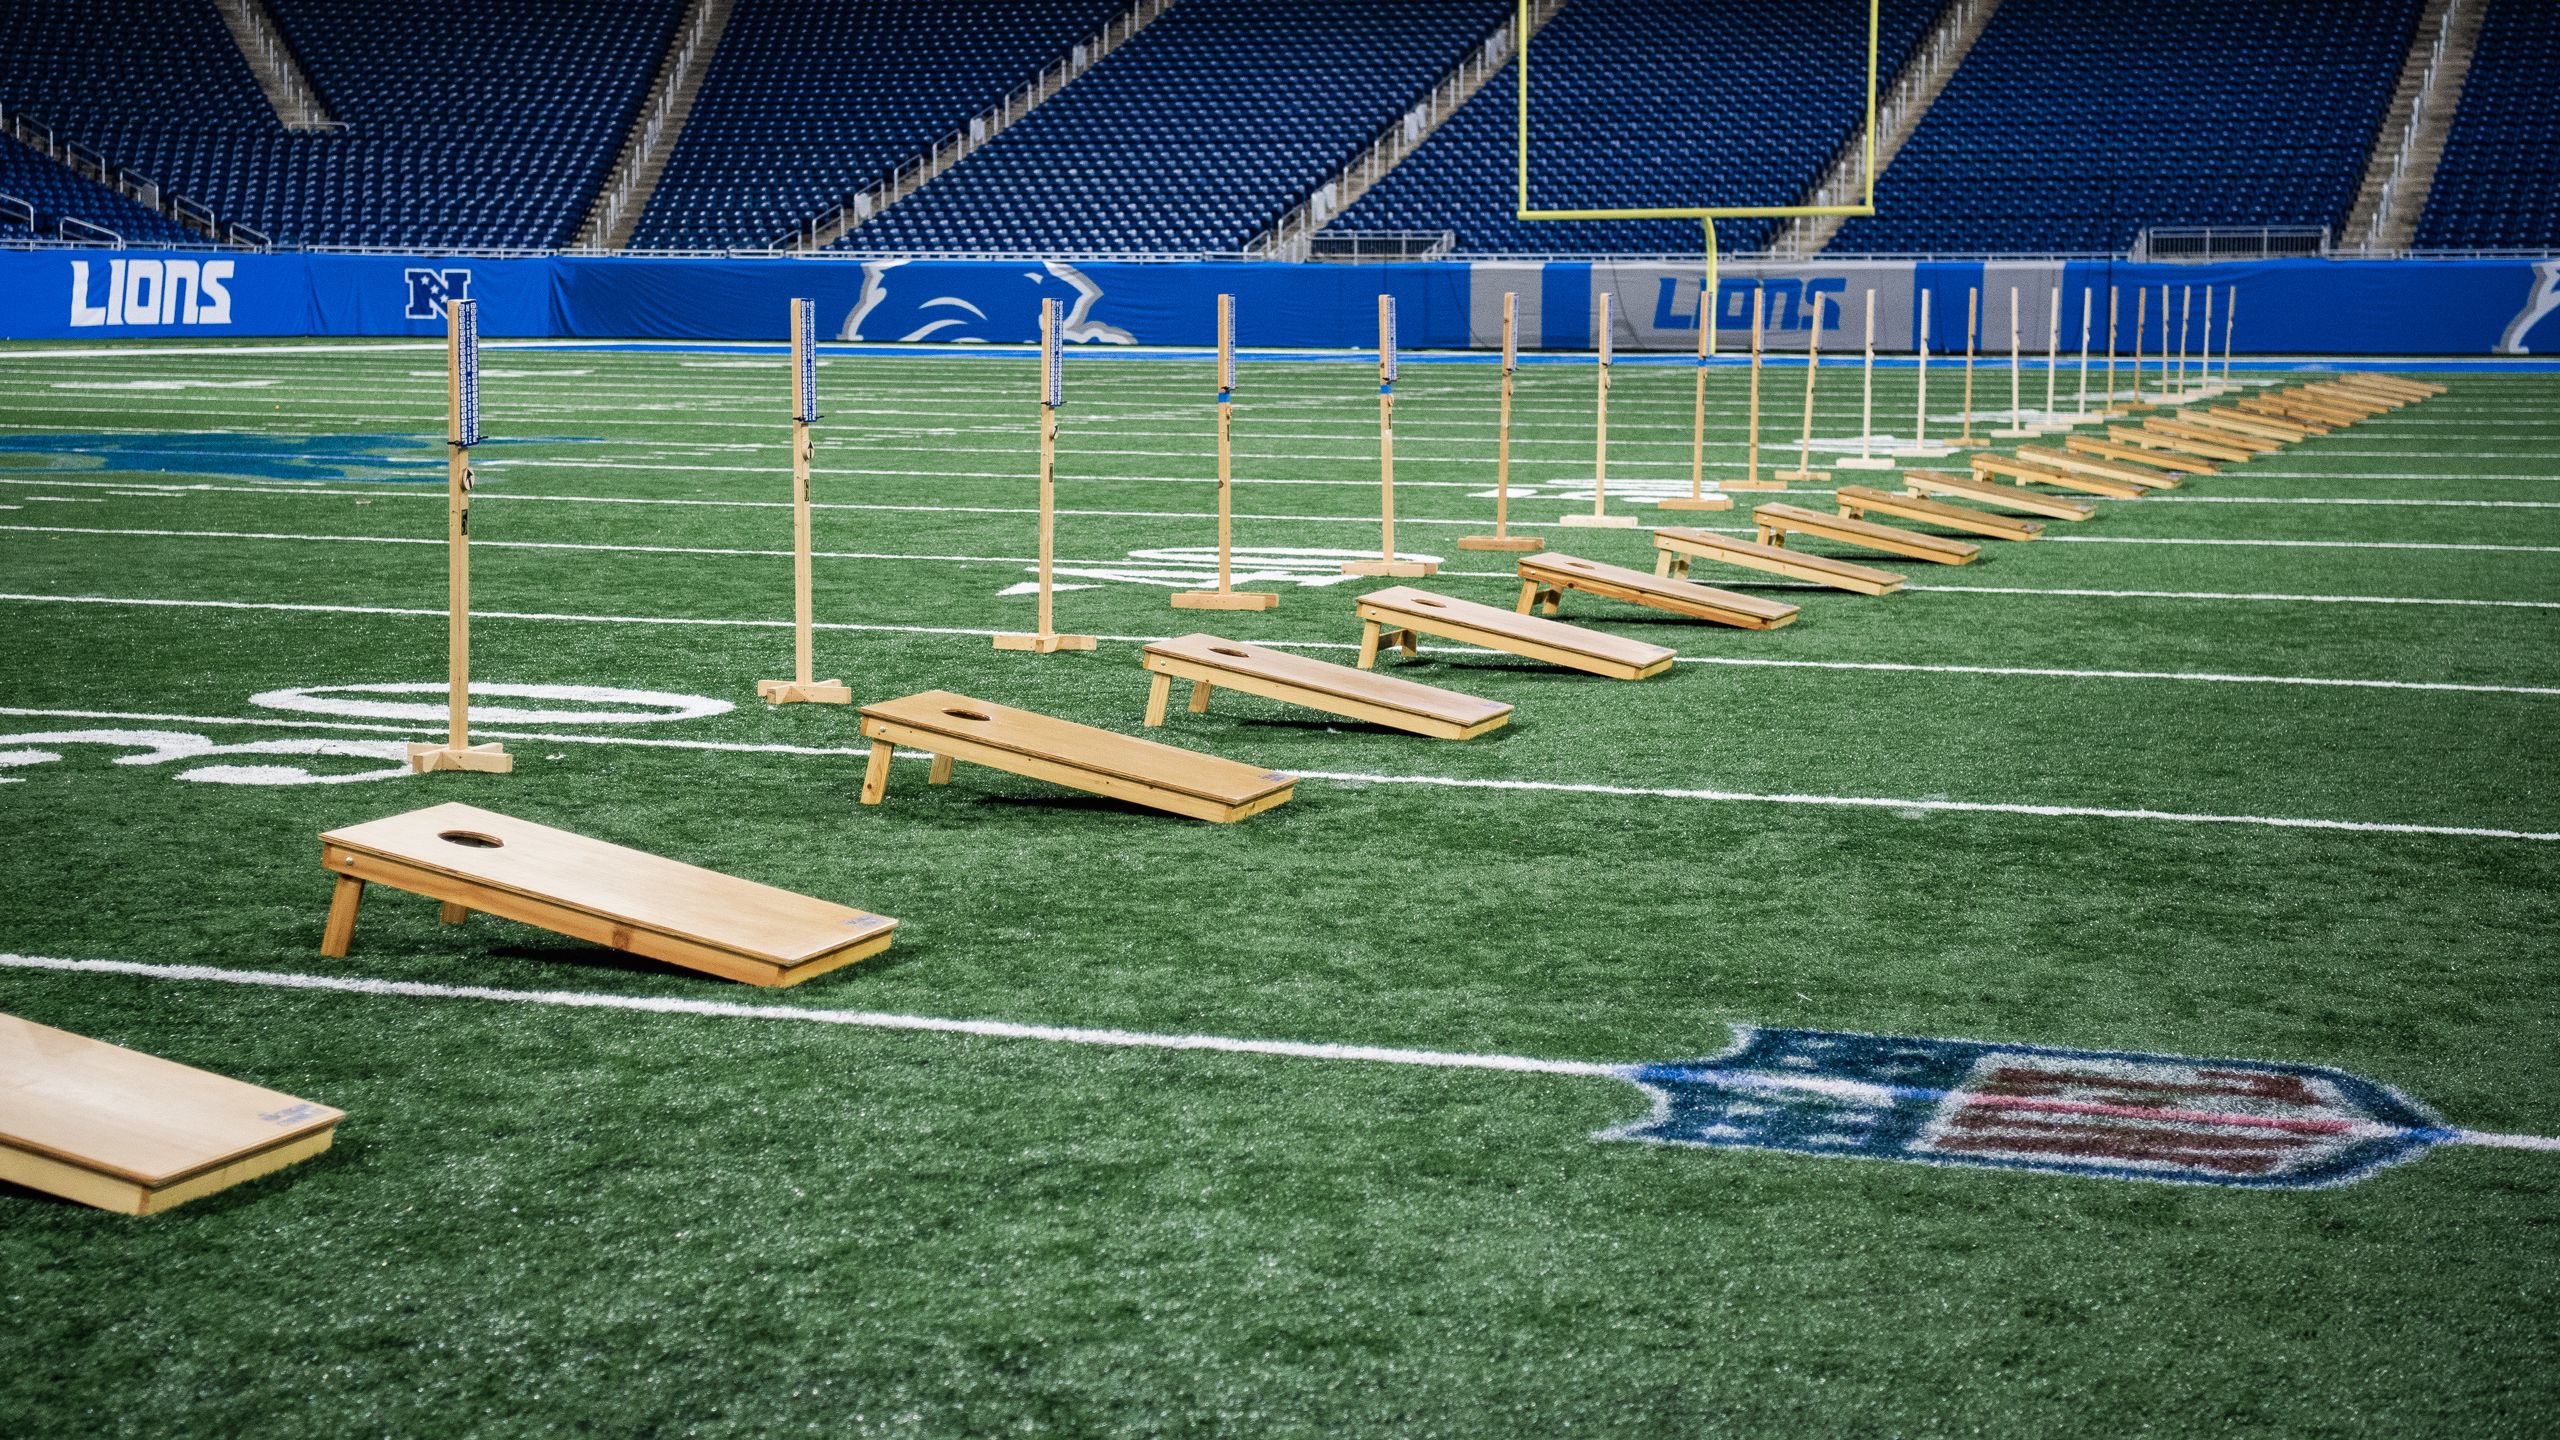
(429, 289)
(152, 292)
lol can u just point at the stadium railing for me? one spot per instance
(2200, 243)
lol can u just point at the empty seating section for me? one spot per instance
(2498, 183)
(480, 123)
(1197, 134)
(2071, 126)
(807, 104)
(1646, 103)
(54, 190)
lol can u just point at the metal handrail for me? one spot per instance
(8, 202)
(62, 227)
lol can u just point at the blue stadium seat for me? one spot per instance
(806, 105)
(1198, 134)
(1649, 103)
(2070, 126)
(2498, 183)
(56, 191)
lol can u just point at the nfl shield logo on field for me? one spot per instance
(2114, 1114)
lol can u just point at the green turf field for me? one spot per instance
(2260, 768)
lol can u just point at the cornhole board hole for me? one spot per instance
(1399, 614)
(472, 859)
(2136, 455)
(2033, 472)
(1855, 501)
(1042, 747)
(2072, 462)
(1545, 578)
(2007, 497)
(133, 1133)
(1777, 522)
(1213, 664)
(1674, 549)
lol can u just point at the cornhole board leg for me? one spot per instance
(1373, 635)
(345, 898)
(875, 773)
(1534, 595)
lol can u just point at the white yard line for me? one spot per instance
(975, 1029)
(411, 612)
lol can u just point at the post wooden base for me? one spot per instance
(1800, 477)
(2016, 432)
(1866, 462)
(1923, 452)
(490, 758)
(1750, 485)
(1580, 521)
(810, 692)
(1044, 644)
(1513, 544)
(1223, 600)
(1403, 569)
(1703, 502)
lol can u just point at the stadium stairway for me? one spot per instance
(272, 63)
(2401, 171)
(1899, 111)
(1293, 238)
(655, 132)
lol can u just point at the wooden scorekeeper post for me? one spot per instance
(1920, 448)
(1804, 473)
(1600, 518)
(1388, 562)
(1053, 393)
(1751, 422)
(2204, 348)
(2017, 428)
(2141, 319)
(804, 687)
(2230, 311)
(462, 431)
(1226, 596)
(2052, 358)
(1698, 498)
(1867, 458)
(1502, 538)
(2088, 301)
(1972, 333)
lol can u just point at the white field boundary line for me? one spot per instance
(1904, 808)
(419, 490)
(854, 627)
(295, 538)
(993, 1029)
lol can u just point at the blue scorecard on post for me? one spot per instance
(1387, 342)
(804, 350)
(463, 329)
(1053, 389)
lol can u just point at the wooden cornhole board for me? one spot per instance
(1042, 747)
(473, 859)
(133, 1133)
(2182, 424)
(2283, 432)
(1675, 548)
(2364, 404)
(2157, 459)
(2073, 462)
(2296, 411)
(2396, 386)
(1855, 501)
(1211, 663)
(2007, 497)
(2142, 437)
(2033, 472)
(1399, 614)
(1777, 522)
(1545, 578)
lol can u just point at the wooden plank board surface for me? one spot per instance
(1679, 546)
(1037, 737)
(1893, 540)
(132, 1118)
(2007, 497)
(1635, 587)
(2157, 459)
(2074, 462)
(1856, 500)
(631, 888)
(2030, 472)
(2189, 426)
(1553, 641)
(1304, 680)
